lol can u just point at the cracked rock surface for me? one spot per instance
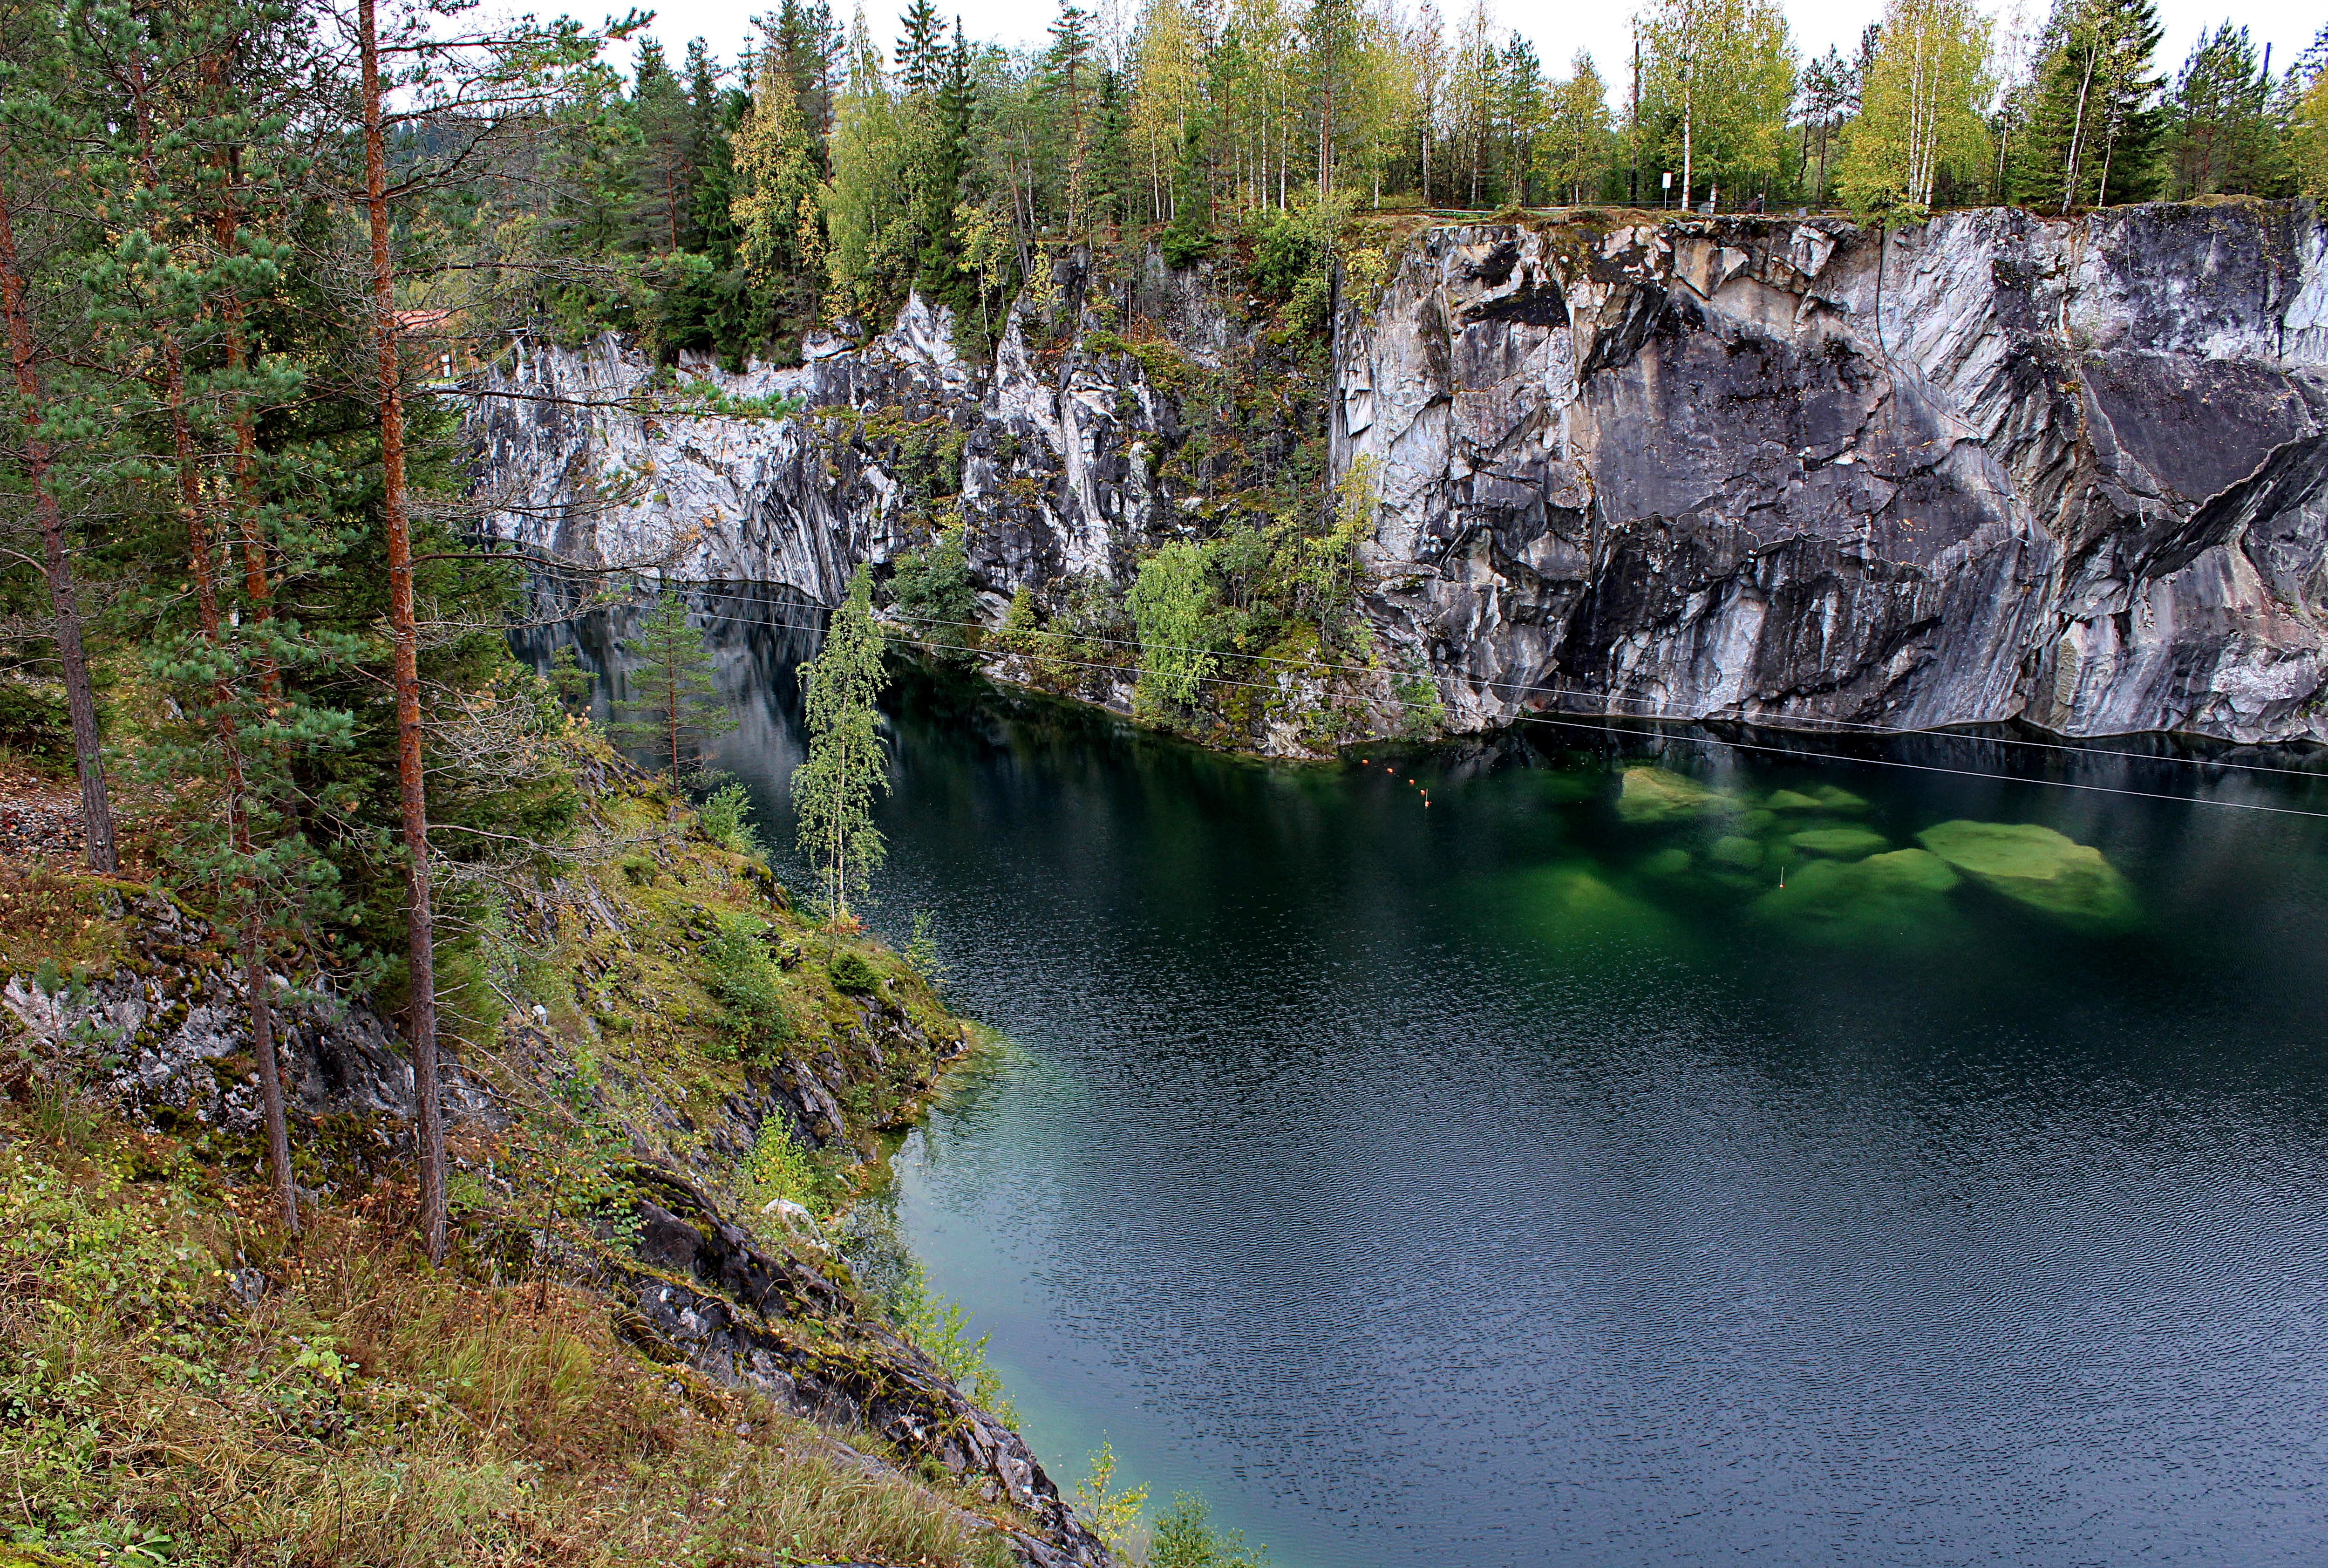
(1993, 467)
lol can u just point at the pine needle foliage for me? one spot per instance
(676, 705)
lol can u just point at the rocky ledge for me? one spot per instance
(156, 1026)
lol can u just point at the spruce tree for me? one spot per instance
(662, 218)
(675, 706)
(2095, 125)
(921, 48)
(834, 789)
(2220, 137)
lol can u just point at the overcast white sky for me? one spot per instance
(1559, 28)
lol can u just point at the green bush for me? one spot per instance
(749, 990)
(1172, 602)
(933, 588)
(780, 1167)
(727, 818)
(1190, 239)
(1185, 1538)
(34, 719)
(850, 972)
(1293, 260)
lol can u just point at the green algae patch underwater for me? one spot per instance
(1901, 893)
(1826, 797)
(1668, 862)
(1570, 903)
(1841, 843)
(1651, 794)
(2039, 867)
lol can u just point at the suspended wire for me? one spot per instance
(1603, 725)
(1519, 688)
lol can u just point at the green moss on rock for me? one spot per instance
(1652, 794)
(1841, 843)
(2039, 867)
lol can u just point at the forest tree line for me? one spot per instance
(839, 164)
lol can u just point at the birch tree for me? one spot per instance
(1166, 85)
(847, 767)
(1921, 108)
(1722, 72)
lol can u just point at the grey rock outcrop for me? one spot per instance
(167, 1038)
(747, 1316)
(1994, 467)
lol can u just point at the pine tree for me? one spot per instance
(1523, 112)
(2304, 110)
(35, 454)
(1070, 90)
(847, 767)
(1830, 90)
(2220, 136)
(675, 706)
(453, 96)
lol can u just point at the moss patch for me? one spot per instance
(1571, 904)
(1652, 794)
(1841, 843)
(2039, 867)
(1838, 900)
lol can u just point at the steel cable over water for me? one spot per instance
(1606, 723)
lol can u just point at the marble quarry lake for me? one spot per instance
(1529, 1177)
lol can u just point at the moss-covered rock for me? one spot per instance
(1653, 794)
(1841, 843)
(2039, 867)
(1899, 893)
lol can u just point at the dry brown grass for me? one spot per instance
(372, 1410)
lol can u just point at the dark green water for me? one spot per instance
(1525, 1180)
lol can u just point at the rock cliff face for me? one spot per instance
(1795, 473)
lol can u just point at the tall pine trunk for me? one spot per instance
(420, 1011)
(64, 600)
(257, 997)
(206, 609)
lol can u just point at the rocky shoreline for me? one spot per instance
(155, 1028)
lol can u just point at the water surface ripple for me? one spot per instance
(1498, 1183)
